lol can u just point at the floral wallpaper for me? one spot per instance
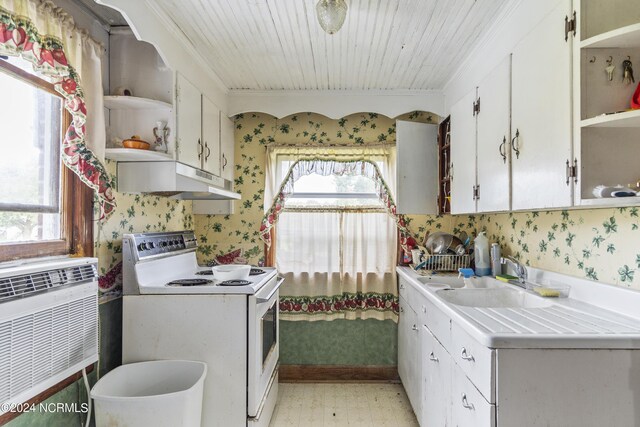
(134, 214)
(219, 234)
(599, 244)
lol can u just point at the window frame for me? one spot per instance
(76, 201)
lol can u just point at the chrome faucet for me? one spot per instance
(517, 267)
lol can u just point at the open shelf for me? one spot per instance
(135, 103)
(135, 155)
(611, 201)
(627, 119)
(628, 36)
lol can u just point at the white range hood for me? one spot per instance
(173, 179)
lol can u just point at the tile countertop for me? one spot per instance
(595, 315)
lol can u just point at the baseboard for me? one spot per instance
(337, 373)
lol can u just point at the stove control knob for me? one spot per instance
(163, 243)
(142, 246)
(151, 245)
(175, 242)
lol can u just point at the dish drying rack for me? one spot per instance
(446, 262)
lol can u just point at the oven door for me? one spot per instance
(263, 342)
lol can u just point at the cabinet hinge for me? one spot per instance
(570, 26)
(572, 171)
(476, 107)
(476, 192)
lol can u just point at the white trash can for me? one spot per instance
(155, 393)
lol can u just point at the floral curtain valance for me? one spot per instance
(42, 34)
(326, 167)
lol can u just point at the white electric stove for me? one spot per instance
(175, 309)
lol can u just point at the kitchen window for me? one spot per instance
(44, 208)
(335, 243)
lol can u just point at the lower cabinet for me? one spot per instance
(436, 382)
(468, 406)
(452, 379)
(409, 363)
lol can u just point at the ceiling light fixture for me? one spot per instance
(331, 14)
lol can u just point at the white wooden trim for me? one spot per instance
(335, 104)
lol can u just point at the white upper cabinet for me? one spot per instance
(227, 143)
(494, 97)
(417, 168)
(189, 123)
(541, 115)
(463, 155)
(210, 137)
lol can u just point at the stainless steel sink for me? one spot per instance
(493, 298)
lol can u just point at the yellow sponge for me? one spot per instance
(506, 277)
(546, 292)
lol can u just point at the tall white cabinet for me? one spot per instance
(463, 155)
(494, 154)
(480, 145)
(541, 114)
(417, 167)
(189, 123)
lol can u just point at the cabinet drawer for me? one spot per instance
(475, 360)
(439, 324)
(412, 295)
(469, 408)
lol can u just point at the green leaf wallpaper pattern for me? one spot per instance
(135, 213)
(599, 244)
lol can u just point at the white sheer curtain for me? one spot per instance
(336, 263)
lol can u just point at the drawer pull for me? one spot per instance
(401, 309)
(414, 327)
(433, 357)
(465, 356)
(466, 404)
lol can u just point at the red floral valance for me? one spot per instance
(325, 167)
(20, 37)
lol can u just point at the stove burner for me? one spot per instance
(235, 283)
(205, 273)
(190, 282)
(253, 272)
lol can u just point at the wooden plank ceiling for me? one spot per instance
(384, 44)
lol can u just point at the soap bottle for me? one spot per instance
(481, 255)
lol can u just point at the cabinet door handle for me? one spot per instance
(199, 149)
(466, 356)
(503, 149)
(451, 172)
(401, 286)
(466, 404)
(433, 357)
(224, 161)
(401, 309)
(206, 145)
(516, 147)
(414, 327)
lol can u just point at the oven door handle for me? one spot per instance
(263, 300)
